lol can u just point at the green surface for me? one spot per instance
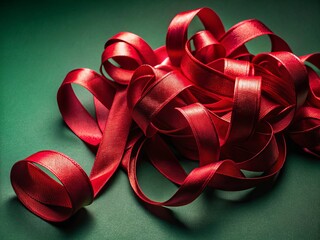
(42, 41)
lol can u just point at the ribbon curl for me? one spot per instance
(206, 96)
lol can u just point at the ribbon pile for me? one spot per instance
(204, 98)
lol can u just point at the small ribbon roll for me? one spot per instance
(52, 200)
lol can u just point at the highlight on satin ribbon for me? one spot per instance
(204, 97)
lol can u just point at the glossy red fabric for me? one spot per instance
(205, 96)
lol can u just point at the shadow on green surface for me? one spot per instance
(79, 220)
(298, 152)
(82, 220)
(253, 194)
(165, 214)
(215, 205)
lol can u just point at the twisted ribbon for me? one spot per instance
(207, 97)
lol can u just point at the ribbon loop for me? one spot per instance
(74, 114)
(177, 30)
(129, 51)
(44, 196)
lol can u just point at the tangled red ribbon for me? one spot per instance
(204, 98)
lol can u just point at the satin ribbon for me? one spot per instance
(205, 96)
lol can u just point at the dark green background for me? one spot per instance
(42, 41)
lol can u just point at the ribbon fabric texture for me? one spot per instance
(205, 98)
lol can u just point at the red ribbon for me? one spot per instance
(206, 96)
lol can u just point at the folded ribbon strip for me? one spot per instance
(206, 96)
